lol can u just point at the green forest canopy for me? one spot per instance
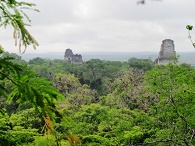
(50, 102)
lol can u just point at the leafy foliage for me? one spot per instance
(75, 93)
(153, 107)
(13, 134)
(189, 28)
(144, 64)
(127, 91)
(26, 86)
(103, 125)
(174, 88)
(12, 12)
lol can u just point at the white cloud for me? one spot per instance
(107, 25)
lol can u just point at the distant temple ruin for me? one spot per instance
(167, 52)
(72, 58)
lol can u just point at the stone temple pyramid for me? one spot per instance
(167, 52)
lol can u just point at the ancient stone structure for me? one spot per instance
(167, 52)
(72, 58)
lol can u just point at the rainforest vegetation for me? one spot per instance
(97, 103)
(100, 103)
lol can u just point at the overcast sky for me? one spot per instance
(107, 25)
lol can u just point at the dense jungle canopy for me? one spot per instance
(51, 102)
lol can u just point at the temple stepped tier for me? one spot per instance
(167, 52)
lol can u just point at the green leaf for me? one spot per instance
(189, 27)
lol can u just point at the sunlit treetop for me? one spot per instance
(12, 13)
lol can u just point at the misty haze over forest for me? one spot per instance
(187, 57)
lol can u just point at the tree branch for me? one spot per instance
(4, 75)
(157, 141)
